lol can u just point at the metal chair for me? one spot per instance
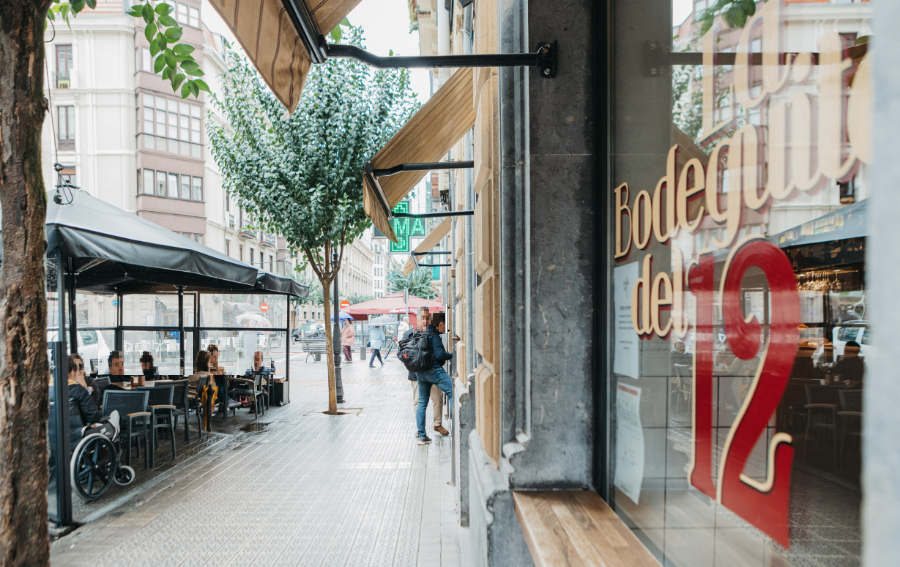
(849, 416)
(132, 408)
(180, 401)
(161, 408)
(821, 415)
(252, 387)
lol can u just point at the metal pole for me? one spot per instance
(339, 387)
(181, 328)
(73, 316)
(120, 320)
(287, 359)
(61, 388)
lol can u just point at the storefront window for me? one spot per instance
(244, 310)
(740, 332)
(156, 310)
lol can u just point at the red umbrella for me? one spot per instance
(392, 304)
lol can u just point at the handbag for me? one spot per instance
(369, 344)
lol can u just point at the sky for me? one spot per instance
(681, 9)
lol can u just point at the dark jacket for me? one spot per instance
(82, 411)
(437, 346)
(851, 368)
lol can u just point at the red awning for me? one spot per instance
(392, 304)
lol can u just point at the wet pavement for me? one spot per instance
(294, 487)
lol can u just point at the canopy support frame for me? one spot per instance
(418, 167)
(433, 215)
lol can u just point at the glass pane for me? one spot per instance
(163, 346)
(236, 349)
(173, 185)
(185, 186)
(173, 145)
(158, 310)
(182, 13)
(198, 188)
(243, 310)
(161, 183)
(194, 17)
(148, 181)
(195, 111)
(161, 105)
(148, 100)
(173, 126)
(739, 192)
(149, 141)
(195, 150)
(172, 105)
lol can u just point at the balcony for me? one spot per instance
(268, 239)
(63, 81)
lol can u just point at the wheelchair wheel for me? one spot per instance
(93, 464)
(124, 476)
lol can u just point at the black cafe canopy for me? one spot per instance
(112, 250)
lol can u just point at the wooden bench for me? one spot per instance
(576, 527)
(312, 347)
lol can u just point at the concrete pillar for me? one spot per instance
(881, 421)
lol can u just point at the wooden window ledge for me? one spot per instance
(576, 527)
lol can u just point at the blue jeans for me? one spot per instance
(376, 352)
(440, 378)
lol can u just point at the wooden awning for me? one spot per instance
(426, 138)
(435, 236)
(265, 31)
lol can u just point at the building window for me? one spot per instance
(68, 175)
(198, 189)
(271, 263)
(186, 187)
(173, 185)
(63, 66)
(241, 253)
(227, 202)
(65, 118)
(228, 248)
(160, 183)
(194, 17)
(251, 256)
(149, 182)
(146, 61)
(182, 13)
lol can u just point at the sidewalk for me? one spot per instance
(298, 488)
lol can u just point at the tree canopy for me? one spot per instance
(418, 282)
(301, 176)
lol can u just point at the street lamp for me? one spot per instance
(336, 336)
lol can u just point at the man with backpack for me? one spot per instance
(424, 354)
(437, 397)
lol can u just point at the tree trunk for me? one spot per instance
(329, 348)
(24, 370)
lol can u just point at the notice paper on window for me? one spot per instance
(627, 345)
(629, 441)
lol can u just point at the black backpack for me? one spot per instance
(416, 353)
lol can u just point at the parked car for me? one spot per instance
(858, 331)
(308, 330)
(91, 346)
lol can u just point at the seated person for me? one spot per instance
(86, 381)
(851, 367)
(214, 367)
(85, 411)
(116, 366)
(803, 363)
(202, 362)
(147, 365)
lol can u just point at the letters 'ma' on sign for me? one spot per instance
(401, 229)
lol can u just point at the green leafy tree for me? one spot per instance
(734, 13)
(24, 369)
(418, 282)
(301, 176)
(315, 291)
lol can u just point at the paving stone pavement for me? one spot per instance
(295, 488)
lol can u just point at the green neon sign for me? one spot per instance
(401, 229)
(417, 229)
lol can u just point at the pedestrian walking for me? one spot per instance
(376, 339)
(348, 335)
(437, 377)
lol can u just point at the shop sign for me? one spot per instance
(401, 229)
(811, 137)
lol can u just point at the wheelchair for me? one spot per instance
(96, 459)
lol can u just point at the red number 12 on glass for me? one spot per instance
(763, 504)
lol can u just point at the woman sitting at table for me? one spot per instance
(88, 411)
(214, 367)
